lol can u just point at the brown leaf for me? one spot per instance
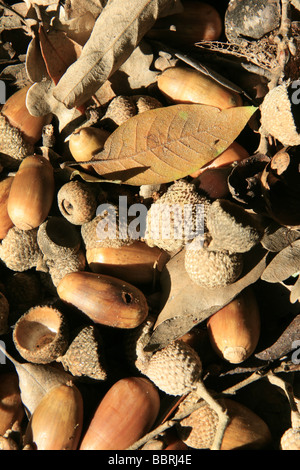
(117, 32)
(166, 144)
(284, 264)
(295, 291)
(276, 237)
(187, 304)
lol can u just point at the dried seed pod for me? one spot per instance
(245, 430)
(277, 117)
(85, 355)
(18, 116)
(85, 142)
(11, 406)
(103, 230)
(4, 312)
(104, 299)
(175, 369)
(209, 268)
(231, 227)
(58, 238)
(77, 202)
(5, 221)
(56, 423)
(176, 217)
(235, 329)
(125, 414)
(186, 85)
(136, 263)
(19, 249)
(32, 192)
(290, 439)
(41, 334)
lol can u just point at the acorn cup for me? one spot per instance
(32, 192)
(136, 263)
(235, 329)
(11, 406)
(126, 413)
(56, 423)
(5, 221)
(41, 335)
(104, 299)
(182, 84)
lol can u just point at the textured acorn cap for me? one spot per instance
(178, 195)
(290, 440)
(145, 103)
(120, 109)
(135, 342)
(209, 268)
(175, 369)
(92, 236)
(231, 227)
(60, 267)
(41, 334)
(85, 355)
(4, 312)
(277, 118)
(19, 249)
(58, 238)
(77, 202)
(12, 142)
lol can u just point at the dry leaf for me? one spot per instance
(165, 144)
(117, 32)
(35, 65)
(187, 304)
(276, 237)
(284, 264)
(295, 292)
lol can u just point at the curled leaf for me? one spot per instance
(284, 264)
(166, 144)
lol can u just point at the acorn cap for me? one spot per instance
(41, 334)
(19, 250)
(85, 355)
(277, 116)
(175, 369)
(12, 142)
(4, 311)
(145, 103)
(70, 263)
(182, 196)
(231, 227)
(135, 342)
(120, 109)
(77, 202)
(209, 268)
(58, 238)
(104, 224)
(290, 440)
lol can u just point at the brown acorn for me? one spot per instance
(183, 84)
(41, 334)
(125, 414)
(11, 406)
(77, 201)
(5, 221)
(32, 192)
(136, 263)
(56, 423)
(104, 299)
(85, 142)
(235, 329)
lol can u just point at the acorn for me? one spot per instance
(171, 230)
(198, 21)
(85, 356)
(86, 142)
(136, 263)
(104, 299)
(41, 334)
(235, 329)
(5, 221)
(211, 268)
(231, 227)
(245, 430)
(60, 267)
(77, 202)
(290, 440)
(4, 312)
(19, 250)
(11, 406)
(32, 192)
(277, 115)
(125, 414)
(182, 84)
(56, 423)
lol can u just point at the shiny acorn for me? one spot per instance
(32, 192)
(104, 299)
